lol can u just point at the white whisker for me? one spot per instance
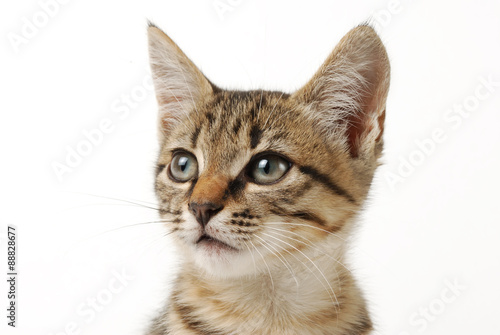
(311, 245)
(307, 225)
(279, 256)
(253, 259)
(335, 303)
(133, 202)
(267, 266)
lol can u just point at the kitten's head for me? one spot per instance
(243, 176)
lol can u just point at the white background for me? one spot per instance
(437, 225)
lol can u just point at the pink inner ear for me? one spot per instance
(363, 122)
(381, 121)
(354, 133)
(360, 125)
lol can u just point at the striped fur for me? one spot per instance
(283, 271)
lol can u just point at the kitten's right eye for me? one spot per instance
(183, 167)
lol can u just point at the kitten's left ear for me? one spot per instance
(179, 85)
(348, 93)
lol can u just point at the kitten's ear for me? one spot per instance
(179, 85)
(348, 93)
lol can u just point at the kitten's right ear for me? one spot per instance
(179, 84)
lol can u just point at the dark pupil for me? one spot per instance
(183, 163)
(265, 166)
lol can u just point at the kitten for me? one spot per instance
(261, 189)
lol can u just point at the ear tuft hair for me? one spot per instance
(349, 91)
(152, 24)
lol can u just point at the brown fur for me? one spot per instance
(287, 275)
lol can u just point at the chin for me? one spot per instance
(223, 262)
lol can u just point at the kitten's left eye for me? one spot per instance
(268, 169)
(183, 167)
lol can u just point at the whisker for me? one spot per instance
(311, 245)
(267, 266)
(253, 259)
(79, 244)
(333, 234)
(158, 222)
(133, 252)
(152, 243)
(307, 225)
(336, 272)
(314, 274)
(279, 256)
(134, 202)
(101, 204)
(310, 260)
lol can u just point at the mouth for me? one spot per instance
(212, 244)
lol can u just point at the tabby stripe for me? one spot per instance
(325, 180)
(159, 168)
(235, 187)
(194, 137)
(255, 136)
(163, 211)
(191, 188)
(309, 217)
(192, 323)
(237, 126)
(301, 215)
(211, 119)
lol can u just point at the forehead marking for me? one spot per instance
(255, 136)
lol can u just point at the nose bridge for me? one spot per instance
(208, 197)
(209, 189)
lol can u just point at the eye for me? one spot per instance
(268, 169)
(183, 167)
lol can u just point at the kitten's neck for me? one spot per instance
(307, 294)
